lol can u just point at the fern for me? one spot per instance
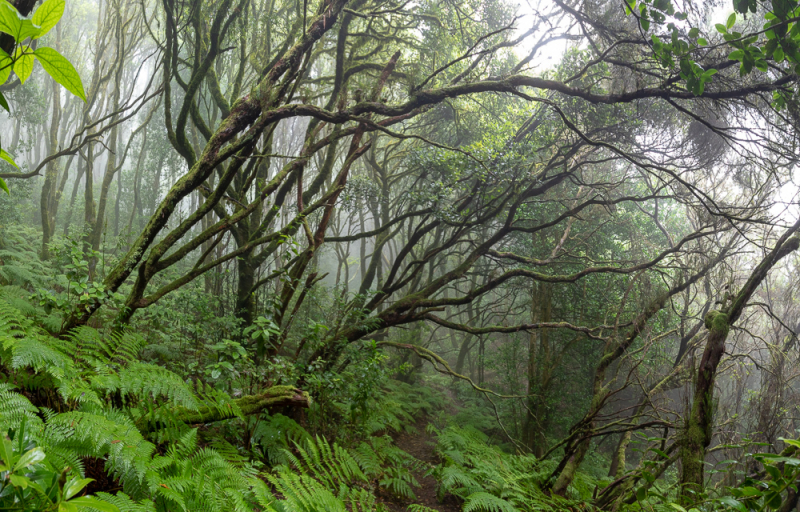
(301, 493)
(87, 369)
(274, 434)
(109, 405)
(393, 468)
(125, 504)
(150, 381)
(330, 464)
(487, 478)
(14, 407)
(485, 502)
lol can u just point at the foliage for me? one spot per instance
(23, 57)
(31, 482)
(781, 41)
(277, 239)
(488, 479)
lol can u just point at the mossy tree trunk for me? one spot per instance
(699, 423)
(271, 399)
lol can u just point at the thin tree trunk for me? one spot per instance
(50, 176)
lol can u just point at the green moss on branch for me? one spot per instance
(276, 396)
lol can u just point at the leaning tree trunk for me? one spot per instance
(699, 424)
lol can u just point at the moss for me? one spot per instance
(717, 322)
(252, 404)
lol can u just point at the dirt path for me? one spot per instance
(420, 446)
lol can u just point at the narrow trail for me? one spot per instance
(420, 446)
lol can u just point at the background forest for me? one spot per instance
(361, 255)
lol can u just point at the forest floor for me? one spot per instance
(420, 445)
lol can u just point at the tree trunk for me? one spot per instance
(540, 369)
(699, 424)
(50, 176)
(245, 296)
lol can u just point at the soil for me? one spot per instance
(420, 445)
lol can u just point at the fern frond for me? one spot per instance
(125, 504)
(485, 502)
(111, 435)
(301, 493)
(14, 407)
(330, 464)
(149, 381)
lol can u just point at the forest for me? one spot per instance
(399, 255)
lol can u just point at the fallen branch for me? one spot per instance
(276, 396)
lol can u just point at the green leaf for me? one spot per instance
(702, 41)
(3, 102)
(731, 21)
(778, 54)
(67, 507)
(645, 24)
(699, 87)
(6, 449)
(773, 500)
(721, 28)
(61, 70)
(23, 63)
(677, 507)
(750, 491)
(736, 55)
(10, 21)
(19, 481)
(29, 458)
(694, 32)
(93, 503)
(5, 66)
(27, 29)
(47, 15)
(733, 503)
(5, 156)
(773, 471)
(3, 186)
(74, 486)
